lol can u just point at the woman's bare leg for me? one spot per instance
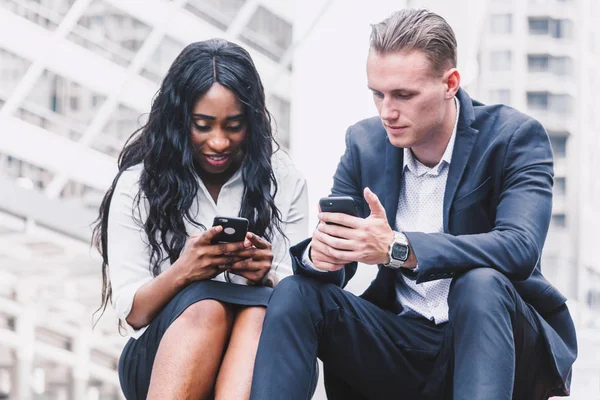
(235, 376)
(191, 351)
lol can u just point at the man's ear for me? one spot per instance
(452, 81)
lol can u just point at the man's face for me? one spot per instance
(410, 97)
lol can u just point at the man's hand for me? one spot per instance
(363, 240)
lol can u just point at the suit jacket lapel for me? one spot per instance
(465, 139)
(393, 174)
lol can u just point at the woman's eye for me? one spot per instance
(203, 128)
(236, 128)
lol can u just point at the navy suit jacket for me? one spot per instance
(497, 209)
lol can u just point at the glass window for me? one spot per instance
(121, 125)
(539, 25)
(499, 96)
(12, 69)
(558, 140)
(60, 105)
(501, 23)
(82, 194)
(46, 13)
(538, 62)
(560, 186)
(537, 100)
(561, 28)
(561, 103)
(268, 33)
(23, 173)
(219, 13)
(110, 32)
(556, 28)
(280, 110)
(500, 60)
(161, 60)
(562, 66)
(559, 221)
(593, 291)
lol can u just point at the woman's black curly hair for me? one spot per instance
(168, 182)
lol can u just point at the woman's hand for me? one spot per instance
(255, 259)
(201, 260)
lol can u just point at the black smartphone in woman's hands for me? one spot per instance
(234, 229)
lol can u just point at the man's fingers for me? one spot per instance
(335, 242)
(328, 266)
(375, 205)
(341, 219)
(319, 251)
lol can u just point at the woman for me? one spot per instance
(194, 310)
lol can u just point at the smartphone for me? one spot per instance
(339, 204)
(234, 229)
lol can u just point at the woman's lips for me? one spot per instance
(217, 160)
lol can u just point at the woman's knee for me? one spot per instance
(252, 317)
(207, 314)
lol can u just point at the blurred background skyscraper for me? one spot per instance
(78, 76)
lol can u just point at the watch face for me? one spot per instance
(400, 252)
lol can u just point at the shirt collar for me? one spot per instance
(417, 168)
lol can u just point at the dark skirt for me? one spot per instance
(135, 364)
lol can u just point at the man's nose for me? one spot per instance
(388, 111)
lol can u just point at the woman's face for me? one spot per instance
(218, 130)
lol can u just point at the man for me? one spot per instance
(456, 201)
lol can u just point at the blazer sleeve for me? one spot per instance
(345, 183)
(514, 245)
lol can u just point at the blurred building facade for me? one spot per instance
(76, 78)
(540, 56)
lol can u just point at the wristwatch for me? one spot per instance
(399, 251)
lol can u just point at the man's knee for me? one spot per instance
(297, 293)
(481, 290)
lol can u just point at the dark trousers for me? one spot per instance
(492, 347)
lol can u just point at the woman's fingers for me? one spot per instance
(257, 241)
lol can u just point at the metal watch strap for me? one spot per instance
(399, 237)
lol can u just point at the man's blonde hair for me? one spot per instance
(416, 29)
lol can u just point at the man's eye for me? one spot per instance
(378, 95)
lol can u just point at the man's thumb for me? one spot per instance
(375, 205)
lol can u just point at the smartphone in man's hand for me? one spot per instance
(339, 204)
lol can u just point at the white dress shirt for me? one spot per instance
(420, 209)
(129, 254)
